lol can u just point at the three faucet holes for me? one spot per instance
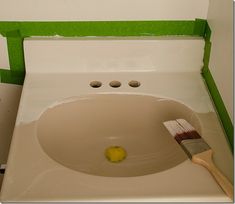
(115, 84)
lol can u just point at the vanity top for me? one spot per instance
(32, 175)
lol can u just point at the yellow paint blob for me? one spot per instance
(115, 154)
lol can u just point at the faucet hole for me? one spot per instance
(134, 83)
(95, 84)
(115, 84)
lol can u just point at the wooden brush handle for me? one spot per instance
(205, 159)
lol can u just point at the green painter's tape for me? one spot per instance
(221, 109)
(9, 29)
(207, 51)
(200, 26)
(12, 77)
(207, 32)
(214, 92)
(13, 33)
(15, 53)
(207, 48)
(104, 28)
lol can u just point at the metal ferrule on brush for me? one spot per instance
(191, 142)
(194, 146)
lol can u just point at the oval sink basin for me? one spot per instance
(80, 133)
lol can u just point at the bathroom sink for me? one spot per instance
(77, 131)
(78, 140)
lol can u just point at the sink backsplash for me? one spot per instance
(92, 54)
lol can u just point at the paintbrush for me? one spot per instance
(198, 150)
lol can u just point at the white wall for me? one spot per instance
(76, 10)
(220, 18)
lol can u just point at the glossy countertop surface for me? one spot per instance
(32, 175)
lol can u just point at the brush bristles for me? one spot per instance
(187, 126)
(181, 130)
(173, 127)
(186, 135)
(189, 129)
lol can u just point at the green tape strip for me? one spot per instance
(200, 26)
(207, 48)
(16, 53)
(206, 58)
(12, 77)
(221, 109)
(207, 35)
(104, 28)
(214, 92)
